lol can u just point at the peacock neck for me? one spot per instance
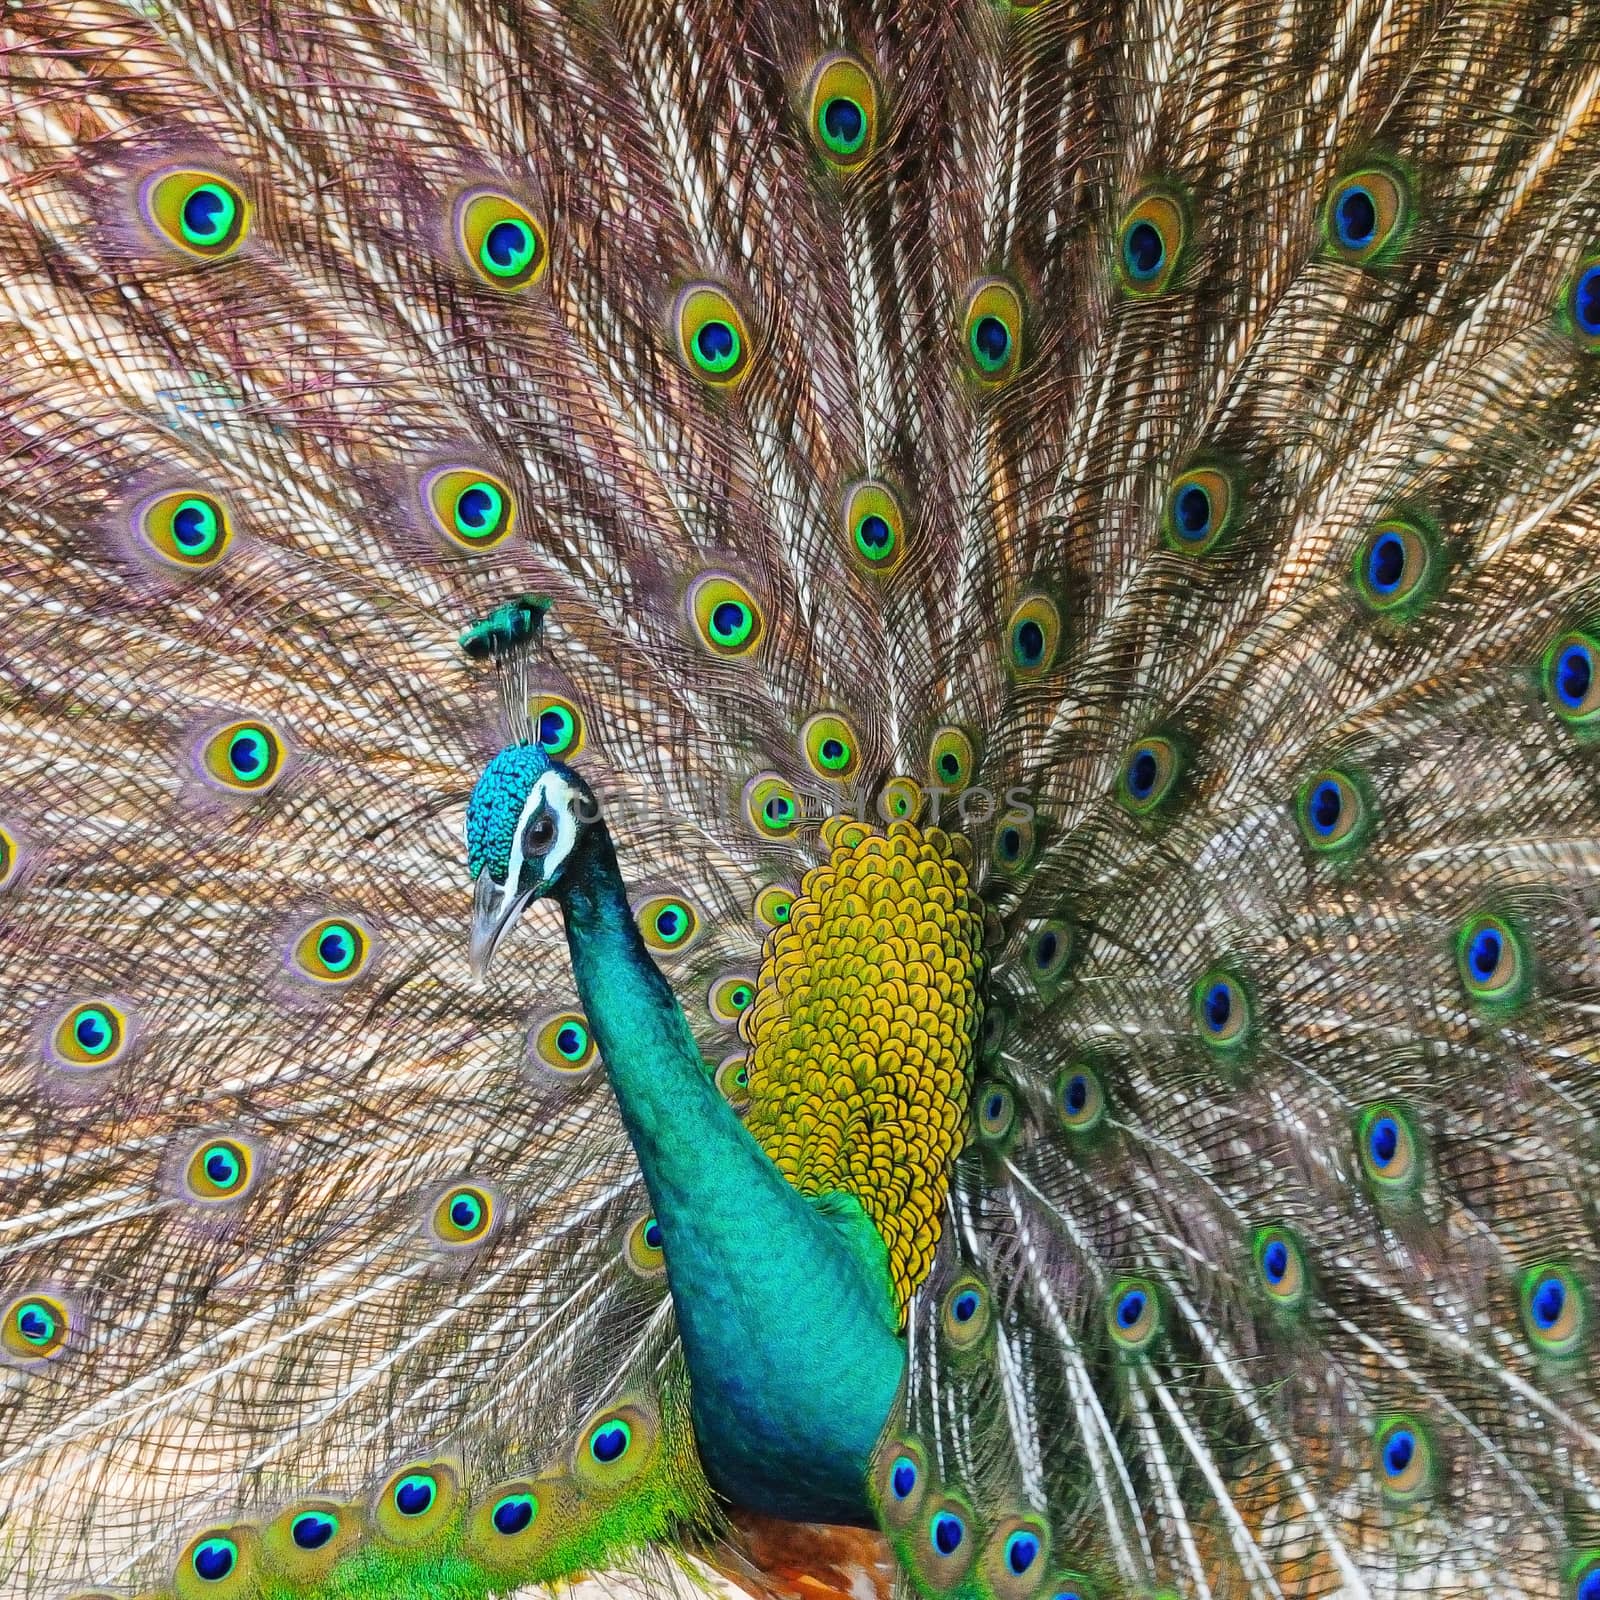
(788, 1326)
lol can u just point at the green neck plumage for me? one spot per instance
(783, 1303)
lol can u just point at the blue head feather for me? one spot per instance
(497, 801)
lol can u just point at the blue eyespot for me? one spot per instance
(1586, 301)
(993, 1106)
(874, 532)
(947, 1531)
(609, 1442)
(464, 1213)
(1398, 1449)
(1324, 807)
(1355, 215)
(204, 211)
(513, 1514)
(1131, 1307)
(1143, 251)
(414, 1495)
(992, 340)
(1386, 563)
(903, 1480)
(1191, 513)
(1022, 1550)
(312, 1530)
(1143, 770)
(652, 1234)
(1275, 1261)
(1028, 640)
(92, 1032)
(215, 1559)
(844, 122)
(716, 343)
(1484, 953)
(1218, 1006)
(1574, 674)
(1077, 1094)
(1383, 1140)
(1548, 1301)
(1588, 1586)
(965, 1306)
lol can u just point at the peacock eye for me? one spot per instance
(184, 529)
(844, 111)
(992, 332)
(1366, 212)
(502, 242)
(712, 337)
(201, 213)
(1150, 242)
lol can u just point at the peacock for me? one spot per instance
(780, 764)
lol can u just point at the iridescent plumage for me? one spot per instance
(1139, 456)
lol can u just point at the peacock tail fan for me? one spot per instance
(1129, 467)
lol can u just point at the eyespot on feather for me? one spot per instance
(503, 243)
(991, 333)
(642, 1248)
(1493, 963)
(1133, 1316)
(1403, 1459)
(1570, 674)
(1397, 567)
(617, 1447)
(831, 746)
(1081, 1099)
(713, 339)
(875, 527)
(187, 530)
(733, 1080)
(965, 1314)
(730, 996)
(417, 1504)
(771, 806)
(222, 1563)
(951, 758)
(558, 725)
(994, 1113)
(1280, 1268)
(463, 1216)
(1150, 242)
(564, 1044)
(220, 1170)
(726, 618)
(1149, 774)
(1015, 1558)
(668, 923)
(34, 1326)
(92, 1034)
(304, 1542)
(197, 211)
(1222, 1010)
(1366, 215)
(842, 111)
(1033, 636)
(773, 905)
(900, 800)
(1555, 1310)
(1332, 810)
(470, 508)
(1201, 508)
(1389, 1151)
(244, 757)
(332, 951)
(900, 1481)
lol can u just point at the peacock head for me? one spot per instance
(525, 821)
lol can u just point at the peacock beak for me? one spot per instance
(495, 909)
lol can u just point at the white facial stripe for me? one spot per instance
(562, 798)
